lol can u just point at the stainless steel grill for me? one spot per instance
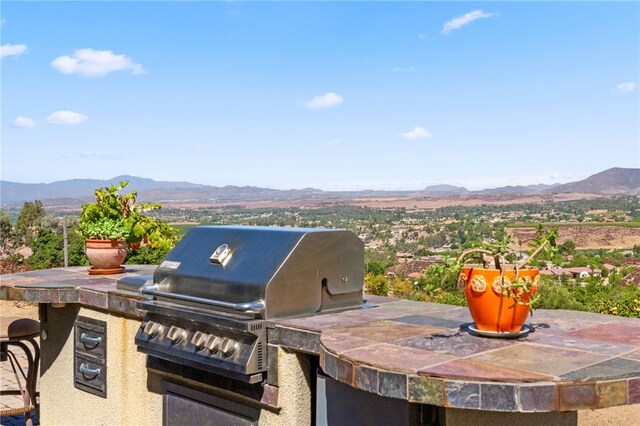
(212, 299)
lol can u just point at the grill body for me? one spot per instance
(214, 296)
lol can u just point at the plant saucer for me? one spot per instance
(500, 335)
(111, 271)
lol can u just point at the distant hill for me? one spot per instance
(13, 192)
(612, 182)
(444, 190)
(518, 189)
(77, 191)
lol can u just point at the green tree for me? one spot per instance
(6, 232)
(76, 243)
(375, 267)
(28, 221)
(47, 249)
(147, 255)
(567, 248)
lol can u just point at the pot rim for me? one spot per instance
(509, 267)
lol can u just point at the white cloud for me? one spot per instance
(465, 19)
(100, 155)
(95, 63)
(24, 122)
(403, 69)
(336, 141)
(12, 50)
(417, 133)
(66, 117)
(323, 101)
(422, 36)
(626, 87)
(2, 21)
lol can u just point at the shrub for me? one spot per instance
(377, 285)
(456, 298)
(554, 296)
(147, 255)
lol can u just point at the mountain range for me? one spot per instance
(613, 181)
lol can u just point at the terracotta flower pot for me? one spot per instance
(490, 309)
(106, 255)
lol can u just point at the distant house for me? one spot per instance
(408, 269)
(404, 257)
(576, 272)
(584, 272)
(437, 258)
(556, 272)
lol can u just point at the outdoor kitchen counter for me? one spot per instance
(424, 353)
(74, 285)
(420, 352)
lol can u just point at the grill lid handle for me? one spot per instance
(255, 306)
(221, 255)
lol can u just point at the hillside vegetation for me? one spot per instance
(407, 249)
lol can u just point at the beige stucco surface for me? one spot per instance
(294, 392)
(128, 400)
(459, 417)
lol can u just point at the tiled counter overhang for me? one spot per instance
(424, 353)
(74, 285)
(421, 352)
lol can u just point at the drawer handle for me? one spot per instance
(92, 341)
(92, 373)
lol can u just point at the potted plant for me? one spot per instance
(500, 295)
(112, 221)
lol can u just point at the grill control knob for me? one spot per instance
(152, 329)
(228, 347)
(199, 339)
(176, 334)
(213, 343)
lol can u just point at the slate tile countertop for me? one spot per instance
(425, 353)
(74, 285)
(421, 352)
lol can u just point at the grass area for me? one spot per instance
(184, 227)
(564, 224)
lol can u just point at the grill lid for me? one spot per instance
(274, 272)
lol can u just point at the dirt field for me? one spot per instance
(10, 308)
(587, 237)
(463, 200)
(388, 202)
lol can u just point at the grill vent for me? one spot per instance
(260, 358)
(256, 327)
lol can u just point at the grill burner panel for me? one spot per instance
(231, 347)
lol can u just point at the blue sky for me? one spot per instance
(340, 95)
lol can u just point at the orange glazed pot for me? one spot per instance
(490, 309)
(106, 254)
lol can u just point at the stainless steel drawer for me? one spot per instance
(90, 376)
(90, 356)
(91, 338)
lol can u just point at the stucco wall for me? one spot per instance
(459, 417)
(127, 402)
(294, 394)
